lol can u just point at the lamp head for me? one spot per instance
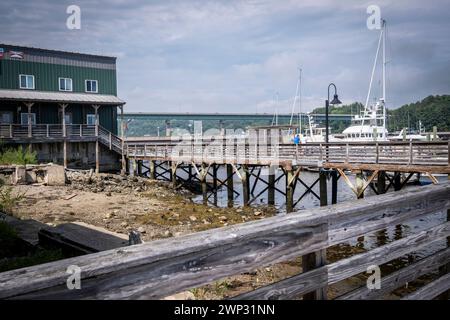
(335, 100)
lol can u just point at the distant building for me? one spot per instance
(62, 104)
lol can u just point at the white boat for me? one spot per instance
(370, 125)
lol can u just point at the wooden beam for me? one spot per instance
(400, 277)
(431, 290)
(330, 274)
(387, 167)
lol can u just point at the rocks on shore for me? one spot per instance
(108, 183)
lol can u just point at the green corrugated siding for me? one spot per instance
(46, 76)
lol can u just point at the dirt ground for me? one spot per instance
(159, 212)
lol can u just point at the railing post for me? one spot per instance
(81, 130)
(317, 259)
(47, 127)
(347, 153)
(10, 130)
(410, 153)
(377, 153)
(110, 141)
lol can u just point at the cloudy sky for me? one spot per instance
(234, 56)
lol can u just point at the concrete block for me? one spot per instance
(30, 176)
(56, 176)
(19, 176)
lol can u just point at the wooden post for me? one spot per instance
(317, 259)
(97, 146)
(323, 188)
(122, 129)
(397, 181)
(289, 190)
(214, 176)
(173, 175)
(360, 184)
(65, 153)
(64, 133)
(435, 133)
(230, 185)
(245, 185)
(30, 132)
(271, 186)
(204, 184)
(334, 186)
(127, 166)
(139, 168)
(152, 169)
(97, 157)
(381, 183)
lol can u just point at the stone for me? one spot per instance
(257, 213)
(141, 230)
(239, 210)
(167, 233)
(124, 224)
(186, 295)
(223, 218)
(193, 218)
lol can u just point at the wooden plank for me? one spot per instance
(203, 257)
(400, 277)
(305, 282)
(431, 290)
(444, 168)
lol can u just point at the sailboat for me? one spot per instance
(370, 124)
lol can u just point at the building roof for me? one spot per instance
(61, 97)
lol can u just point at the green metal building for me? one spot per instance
(50, 96)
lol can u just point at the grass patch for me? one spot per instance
(37, 257)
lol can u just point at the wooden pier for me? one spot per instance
(389, 164)
(160, 268)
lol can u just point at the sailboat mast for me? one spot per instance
(384, 77)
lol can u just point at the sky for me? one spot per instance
(244, 56)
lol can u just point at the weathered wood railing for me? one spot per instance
(56, 131)
(163, 267)
(310, 154)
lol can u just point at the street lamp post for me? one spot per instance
(335, 101)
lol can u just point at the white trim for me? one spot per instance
(59, 84)
(96, 86)
(26, 75)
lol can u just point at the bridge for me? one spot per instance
(282, 118)
(141, 123)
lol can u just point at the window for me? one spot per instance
(6, 117)
(24, 118)
(65, 84)
(68, 118)
(91, 86)
(90, 119)
(26, 81)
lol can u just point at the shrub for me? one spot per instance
(8, 200)
(18, 156)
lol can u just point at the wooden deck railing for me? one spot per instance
(310, 154)
(159, 268)
(43, 132)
